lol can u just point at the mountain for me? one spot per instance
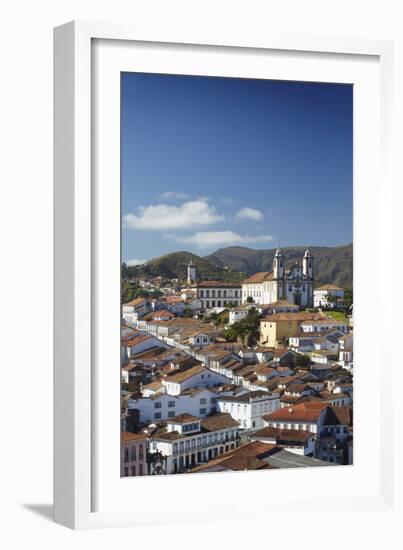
(174, 266)
(332, 264)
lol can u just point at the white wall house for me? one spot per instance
(249, 408)
(296, 441)
(139, 343)
(188, 441)
(329, 296)
(322, 325)
(200, 402)
(195, 377)
(237, 314)
(132, 311)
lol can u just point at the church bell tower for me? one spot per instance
(307, 264)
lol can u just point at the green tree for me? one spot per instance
(302, 361)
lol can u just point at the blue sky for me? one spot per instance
(212, 162)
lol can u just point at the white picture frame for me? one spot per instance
(88, 491)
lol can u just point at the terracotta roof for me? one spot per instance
(329, 287)
(283, 303)
(304, 412)
(258, 278)
(299, 317)
(219, 422)
(246, 457)
(218, 284)
(129, 436)
(134, 303)
(283, 435)
(183, 418)
(181, 376)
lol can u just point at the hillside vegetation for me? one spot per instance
(173, 266)
(332, 264)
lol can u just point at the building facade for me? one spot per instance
(187, 441)
(133, 454)
(294, 285)
(214, 294)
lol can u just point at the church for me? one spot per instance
(295, 285)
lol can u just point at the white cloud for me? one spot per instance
(207, 239)
(130, 263)
(164, 216)
(247, 213)
(174, 195)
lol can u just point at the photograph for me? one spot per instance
(236, 274)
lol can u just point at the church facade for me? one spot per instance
(295, 285)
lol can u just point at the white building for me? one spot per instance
(194, 377)
(249, 408)
(328, 296)
(237, 314)
(294, 285)
(163, 406)
(296, 441)
(132, 311)
(214, 294)
(322, 325)
(187, 441)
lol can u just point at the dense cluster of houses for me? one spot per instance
(194, 402)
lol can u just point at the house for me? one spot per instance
(163, 406)
(330, 424)
(186, 441)
(299, 442)
(321, 325)
(238, 313)
(197, 376)
(282, 306)
(258, 455)
(328, 296)
(247, 457)
(276, 329)
(133, 310)
(346, 356)
(248, 409)
(138, 343)
(323, 356)
(133, 454)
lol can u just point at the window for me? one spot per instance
(157, 416)
(203, 411)
(171, 414)
(133, 454)
(133, 472)
(126, 472)
(126, 455)
(157, 405)
(141, 469)
(203, 401)
(171, 403)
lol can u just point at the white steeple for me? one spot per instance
(278, 264)
(191, 273)
(307, 264)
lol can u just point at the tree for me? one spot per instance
(348, 298)
(188, 313)
(302, 361)
(249, 300)
(246, 331)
